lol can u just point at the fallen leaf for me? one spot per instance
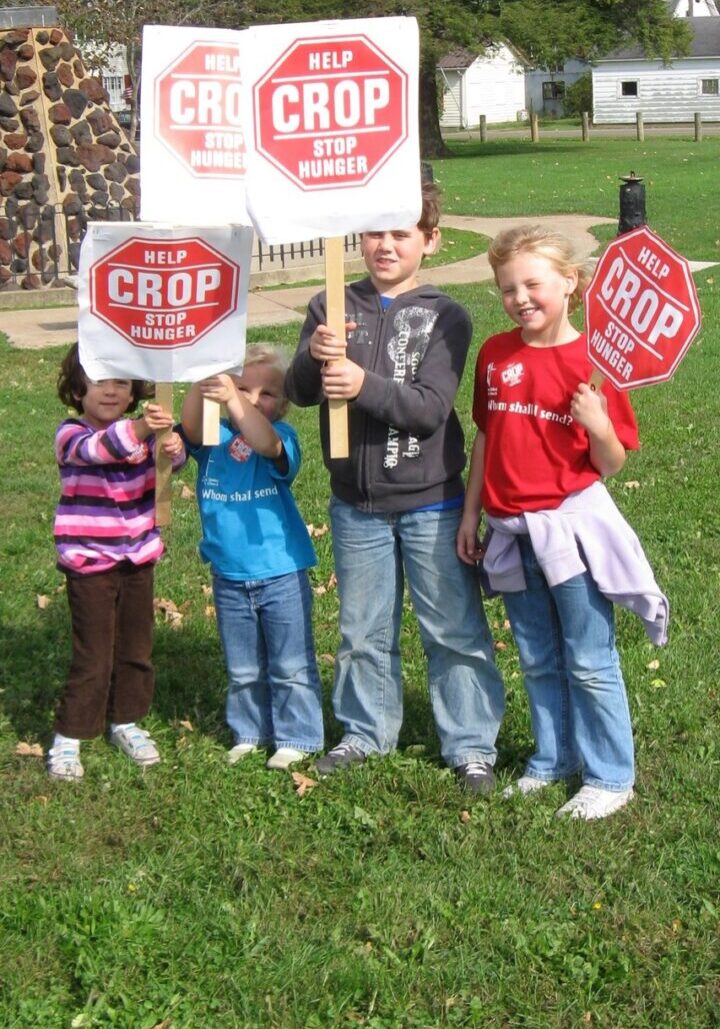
(658, 684)
(41, 799)
(710, 281)
(506, 624)
(165, 1024)
(329, 659)
(465, 817)
(317, 530)
(186, 724)
(209, 610)
(303, 783)
(168, 609)
(42, 601)
(186, 493)
(29, 750)
(631, 484)
(207, 590)
(652, 665)
(499, 645)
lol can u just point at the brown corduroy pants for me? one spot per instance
(111, 676)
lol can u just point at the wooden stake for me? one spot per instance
(211, 423)
(596, 379)
(163, 464)
(335, 291)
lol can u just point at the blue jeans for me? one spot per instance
(274, 688)
(374, 554)
(578, 706)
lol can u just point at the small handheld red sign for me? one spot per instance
(641, 310)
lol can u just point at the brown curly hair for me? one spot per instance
(72, 383)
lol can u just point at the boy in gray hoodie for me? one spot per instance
(397, 502)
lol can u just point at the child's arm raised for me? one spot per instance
(77, 444)
(244, 416)
(589, 408)
(468, 548)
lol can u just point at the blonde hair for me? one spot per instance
(553, 246)
(275, 360)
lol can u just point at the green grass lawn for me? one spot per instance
(199, 896)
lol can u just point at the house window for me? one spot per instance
(629, 87)
(709, 87)
(553, 90)
(114, 86)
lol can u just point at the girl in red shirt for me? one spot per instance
(545, 435)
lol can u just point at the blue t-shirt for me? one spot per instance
(251, 526)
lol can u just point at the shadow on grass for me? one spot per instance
(505, 148)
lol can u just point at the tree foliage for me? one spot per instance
(546, 32)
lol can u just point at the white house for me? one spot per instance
(492, 84)
(625, 82)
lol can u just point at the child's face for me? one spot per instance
(393, 257)
(535, 295)
(263, 385)
(106, 401)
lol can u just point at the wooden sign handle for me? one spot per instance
(335, 292)
(596, 379)
(210, 423)
(163, 464)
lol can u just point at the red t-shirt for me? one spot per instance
(535, 452)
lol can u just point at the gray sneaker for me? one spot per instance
(476, 777)
(342, 756)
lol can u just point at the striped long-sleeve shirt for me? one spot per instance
(106, 512)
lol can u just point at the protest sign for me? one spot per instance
(193, 140)
(162, 304)
(641, 311)
(334, 127)
(335, 142)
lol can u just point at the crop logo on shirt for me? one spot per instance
(139, 454)
(239, 450)
(512, 375)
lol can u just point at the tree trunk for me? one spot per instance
(431, 141)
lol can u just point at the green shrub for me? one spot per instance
(578, 97)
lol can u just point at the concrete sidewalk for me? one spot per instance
(46, 327)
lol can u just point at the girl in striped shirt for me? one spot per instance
(107, 545)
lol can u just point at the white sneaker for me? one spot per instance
(64, 762)
(590, 802)
(526, 784)
(284, 757)
(239, 751)
(136, 743)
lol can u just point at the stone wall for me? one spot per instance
(63, 157)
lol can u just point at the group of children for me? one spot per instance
(400, 513)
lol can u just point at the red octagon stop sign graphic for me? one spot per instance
(641, 310)
(162, 292)
(330, 112)
(198, 110)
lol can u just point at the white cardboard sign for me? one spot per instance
(333, 127)
(163, 304)
(193, 158)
